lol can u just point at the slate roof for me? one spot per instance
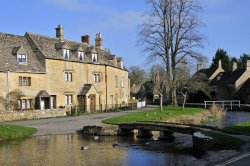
(226, 78)
(85, 89)
(47, 46)
(38, 47)
(43, 93)
(9, 45)
(207, 72)
(245, 89)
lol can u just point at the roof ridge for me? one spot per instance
(10, 34)
(55, 38)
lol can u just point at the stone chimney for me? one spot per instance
(248, 65)
(199, 67)
(120, 63)
(86, 39)
(99, 41)
(234, 66)
(60, 32)
(219, 64)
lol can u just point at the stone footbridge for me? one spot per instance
(145, 130)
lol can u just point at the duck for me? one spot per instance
(95, 138)
(84, 148)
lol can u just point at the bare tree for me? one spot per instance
(137, 75)
(171, 34)
(186, 83)
(159, 84)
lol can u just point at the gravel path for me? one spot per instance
(68, 125)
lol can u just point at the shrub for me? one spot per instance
(214, 112)
(2, 104)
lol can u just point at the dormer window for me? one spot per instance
(66, 53)
(94, 57)
(22, 58)
(81, 56)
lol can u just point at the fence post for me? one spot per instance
(205, 104)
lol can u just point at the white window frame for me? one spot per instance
(94, 57)
(97, 77)
(81, 54)
(68, 76)
(68, 99)
(66, 53)
(22, 58)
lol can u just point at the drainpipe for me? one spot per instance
(8, 87)
(106, 77)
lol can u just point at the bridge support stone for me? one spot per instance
(166, 135)
(202, 143)
(144, 133)
(125, 132)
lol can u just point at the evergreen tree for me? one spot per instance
(243, 60)
(225, 60)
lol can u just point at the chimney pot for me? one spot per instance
(199, 67)
(60, 32)
(86, 39)
(219, 64)
(248, 65)
(99, 41)
(234, 66)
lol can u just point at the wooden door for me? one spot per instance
(92, 102)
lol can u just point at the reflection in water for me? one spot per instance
(232, 117)
(66, 150)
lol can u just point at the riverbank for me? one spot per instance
(14, 132)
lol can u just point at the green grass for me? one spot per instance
(13, 131)
(241, 128)
(154, 115)
(224, 141)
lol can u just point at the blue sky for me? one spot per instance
(226, 23)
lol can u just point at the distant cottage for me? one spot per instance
(229, 85)
(54, 72)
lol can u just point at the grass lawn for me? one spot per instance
(224, 141)
(154, 115)
(13, 131)
(242, 128)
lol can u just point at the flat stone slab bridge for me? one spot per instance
(166, 129)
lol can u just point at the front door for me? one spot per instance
(92, 102)
(42, 103)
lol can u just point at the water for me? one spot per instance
(66, 150)
(232, 117)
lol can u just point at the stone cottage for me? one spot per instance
(54, 72)
(228, 85)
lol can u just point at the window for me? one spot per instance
(68, 100)
(116, 81)
(81, 56)
(68, 76)
(24, 104)
(122, 82)
(94, 57)
(66, 53)
(22, 58)
(24, 81)
(97, 77)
